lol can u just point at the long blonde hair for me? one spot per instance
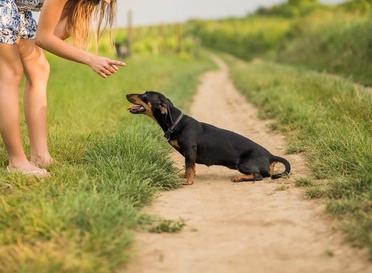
(79, 15)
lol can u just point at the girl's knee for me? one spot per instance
(43, 68)
(38, 73)
(11, 73)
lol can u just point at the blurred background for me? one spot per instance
(170, 11)
(333, 35)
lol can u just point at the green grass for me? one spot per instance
(168, 226)
(161, 39)
(331, 120)
(243, 37)
(335, 39)
(303, 182)
(110, 165)
(338, 43)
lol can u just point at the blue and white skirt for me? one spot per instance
(16, 20)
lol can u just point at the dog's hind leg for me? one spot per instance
(250, 171)
(247, 177)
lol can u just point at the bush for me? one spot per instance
(336, 42)
(252, 37)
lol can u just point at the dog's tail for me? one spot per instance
(282, 160)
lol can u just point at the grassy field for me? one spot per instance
(330, 120)
(159, 40)
(110, 165)
(336, 42)
(243, 37)
(335, 39)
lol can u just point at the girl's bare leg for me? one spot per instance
(10, 75)
(36, 69)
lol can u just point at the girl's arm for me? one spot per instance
(47, 39)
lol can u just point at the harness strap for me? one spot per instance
(170, 131)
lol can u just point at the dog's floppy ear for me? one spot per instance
(164, 105)
(163, 109)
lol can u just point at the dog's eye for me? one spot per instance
(144, 98)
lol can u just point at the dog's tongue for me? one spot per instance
(136, 109)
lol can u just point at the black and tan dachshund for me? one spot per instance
(206, 144)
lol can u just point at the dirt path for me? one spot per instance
(245, 227)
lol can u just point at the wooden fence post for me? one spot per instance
(129, 32)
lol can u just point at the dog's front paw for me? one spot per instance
(188, 182)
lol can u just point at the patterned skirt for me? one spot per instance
(16, 20)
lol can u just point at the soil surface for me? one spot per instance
(267, 226)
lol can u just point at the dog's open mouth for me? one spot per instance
(136, 109)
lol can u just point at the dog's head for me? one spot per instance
(151, 103)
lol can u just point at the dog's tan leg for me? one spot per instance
(190, 174)
(184, 175)
(241, 178)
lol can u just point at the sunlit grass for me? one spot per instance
(110, 164)
(331, 122)
(246, 38)
(339, 43)
(335, 39)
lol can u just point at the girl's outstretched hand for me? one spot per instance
(104, 66)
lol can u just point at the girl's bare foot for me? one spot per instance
(42, 161)
(26, 168)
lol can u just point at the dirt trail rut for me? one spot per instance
(243, 227)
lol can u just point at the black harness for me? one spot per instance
(171, 130)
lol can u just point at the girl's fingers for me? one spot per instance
(119, 63)
(110, 68)
(103, 75)
(106, 71)
(115, 67)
